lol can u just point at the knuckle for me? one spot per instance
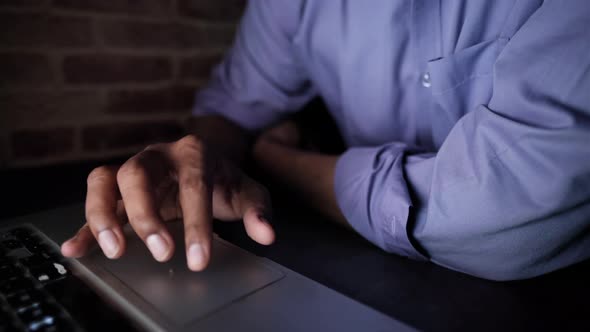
(139, 220)
(95, 217)
(155, 147)
(131, 169)
(191, 140)
(190, 144)
(90, 215)
(199, 233)
(144, 224)
(200, 230)
(194, 182)
(99, 174)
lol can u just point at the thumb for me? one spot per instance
(256, 211)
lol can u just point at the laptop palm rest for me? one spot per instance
(179, 295)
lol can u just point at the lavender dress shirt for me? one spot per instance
(467, 122)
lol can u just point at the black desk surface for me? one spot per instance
(424, 295)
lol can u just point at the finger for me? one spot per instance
(78, 245)
(256, 210)
(134, 180)
(195, 201)
(101, 212)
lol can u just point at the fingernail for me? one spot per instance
(158, 247)
(108, 243)
(196, 256)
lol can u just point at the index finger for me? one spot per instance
(195, 200)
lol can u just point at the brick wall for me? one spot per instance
(91, 79)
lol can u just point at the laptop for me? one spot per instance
(40, 290)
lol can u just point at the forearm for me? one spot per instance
(310, 174)
(223, 137)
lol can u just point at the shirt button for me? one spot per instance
(426, 80)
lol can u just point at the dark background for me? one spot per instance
(88, 82)
(97, 79)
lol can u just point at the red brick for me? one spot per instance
(199, 67)
(20, 108)
(32, 144)
(29, 29)
(22, 3)
(131, 7)
(226, 10)
(24, 69)
(125, 135)
(103, 68)
(126, 34)
(177, 98)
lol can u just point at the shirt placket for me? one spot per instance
(427, 46)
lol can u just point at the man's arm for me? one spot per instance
(311, 174)
(506, 196)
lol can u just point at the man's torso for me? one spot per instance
(404, 70)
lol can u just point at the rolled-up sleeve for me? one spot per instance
(260, 78)
(373, 195)
(506, 196)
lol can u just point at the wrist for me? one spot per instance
(271, 155)
(222, 137)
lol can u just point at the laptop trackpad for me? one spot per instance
(183, 296)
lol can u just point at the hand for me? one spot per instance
(166, 182)
(285, 133)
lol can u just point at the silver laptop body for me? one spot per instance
(237, 292)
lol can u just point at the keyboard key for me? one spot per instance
(50, 299)
(33, 261)
(13, 286)
(36, 312)
(39, 248)
(11, 244)
(45, 318)
(49, 272)
(31, 239)
(29, 307)
(6, 261)
(25, 299)
(50, 324)
(5, 236)
(21, 232)
(41, 323)
(10, 271)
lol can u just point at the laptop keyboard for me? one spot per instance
(38, 291)
(27, 265)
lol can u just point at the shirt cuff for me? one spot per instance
(372, 194)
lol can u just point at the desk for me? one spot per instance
(424, 295)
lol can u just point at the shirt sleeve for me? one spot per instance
(260, 78)
(506, 196)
